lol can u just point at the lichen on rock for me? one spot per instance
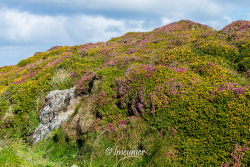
(59, 106)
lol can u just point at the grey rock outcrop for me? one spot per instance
(59, 106)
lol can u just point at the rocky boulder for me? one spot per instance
(59, 106)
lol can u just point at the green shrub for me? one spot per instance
(23, 63)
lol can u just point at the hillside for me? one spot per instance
(179, 92)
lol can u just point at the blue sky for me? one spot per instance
(29, 26)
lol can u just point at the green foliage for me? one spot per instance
(24, 62)
(217, 48)
(18, 154)
(244, 64)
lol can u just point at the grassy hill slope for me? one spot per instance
(180, 92)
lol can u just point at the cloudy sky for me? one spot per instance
(29, 26)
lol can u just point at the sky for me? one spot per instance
(30, 26)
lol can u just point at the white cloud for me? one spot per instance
(104, 4)
(219, 23)
(158, 7)
(166, 20)
(23, 27)
(228, 19)
(23, 33)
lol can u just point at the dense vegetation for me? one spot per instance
(180, 92)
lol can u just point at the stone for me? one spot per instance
(59, 106)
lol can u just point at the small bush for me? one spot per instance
(23, 63)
